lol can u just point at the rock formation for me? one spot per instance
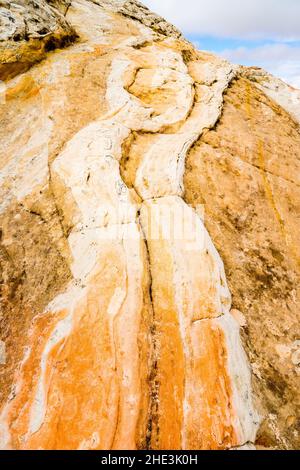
(28, 30)
(129, 163)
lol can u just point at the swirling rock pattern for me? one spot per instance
(117, 326)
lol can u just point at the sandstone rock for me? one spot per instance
(2, 353)
(137, 11)
(283, 94)
(245, 447)
(28, 30)
(127, 160)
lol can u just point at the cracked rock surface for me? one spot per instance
(28, 30)
(133, 166)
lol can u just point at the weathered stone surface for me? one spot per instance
(203, 399)
(117, 324)
(283, 94)
(28, 30)
(139, 12)
(246, 173)
(94, 345)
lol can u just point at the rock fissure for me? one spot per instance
(261, 168)
(239, 215)
(153, 404)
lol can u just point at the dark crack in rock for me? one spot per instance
(28, 30)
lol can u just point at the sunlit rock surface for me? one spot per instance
(127, 160)
(28, 30)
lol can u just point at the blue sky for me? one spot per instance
(264, 33)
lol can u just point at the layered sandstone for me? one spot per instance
(120, 159)
(253, 218)
(28, 30)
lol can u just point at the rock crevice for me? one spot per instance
(138, 349)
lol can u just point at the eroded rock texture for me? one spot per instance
(28, 30)
(253, 218)
(127, 159)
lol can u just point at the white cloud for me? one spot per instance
(247, 19)
(281, 60)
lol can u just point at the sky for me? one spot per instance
(263, 33)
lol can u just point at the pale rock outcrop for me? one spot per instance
(116, 326)
(137, 11)
(28, 30)
(245, 172)
(283, 94)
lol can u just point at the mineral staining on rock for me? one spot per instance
(133, 344)
(2, 353)
(195, 354)
(253, 219)
(91, 362)
(28, 30)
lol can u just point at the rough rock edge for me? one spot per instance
(251, 76)
(137, 11)
(30, 29)
(283, 94)
(229, 75)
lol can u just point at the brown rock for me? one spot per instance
(28, 30)
(117, 154)
(245, 173)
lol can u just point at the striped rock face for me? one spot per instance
(117, 328)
